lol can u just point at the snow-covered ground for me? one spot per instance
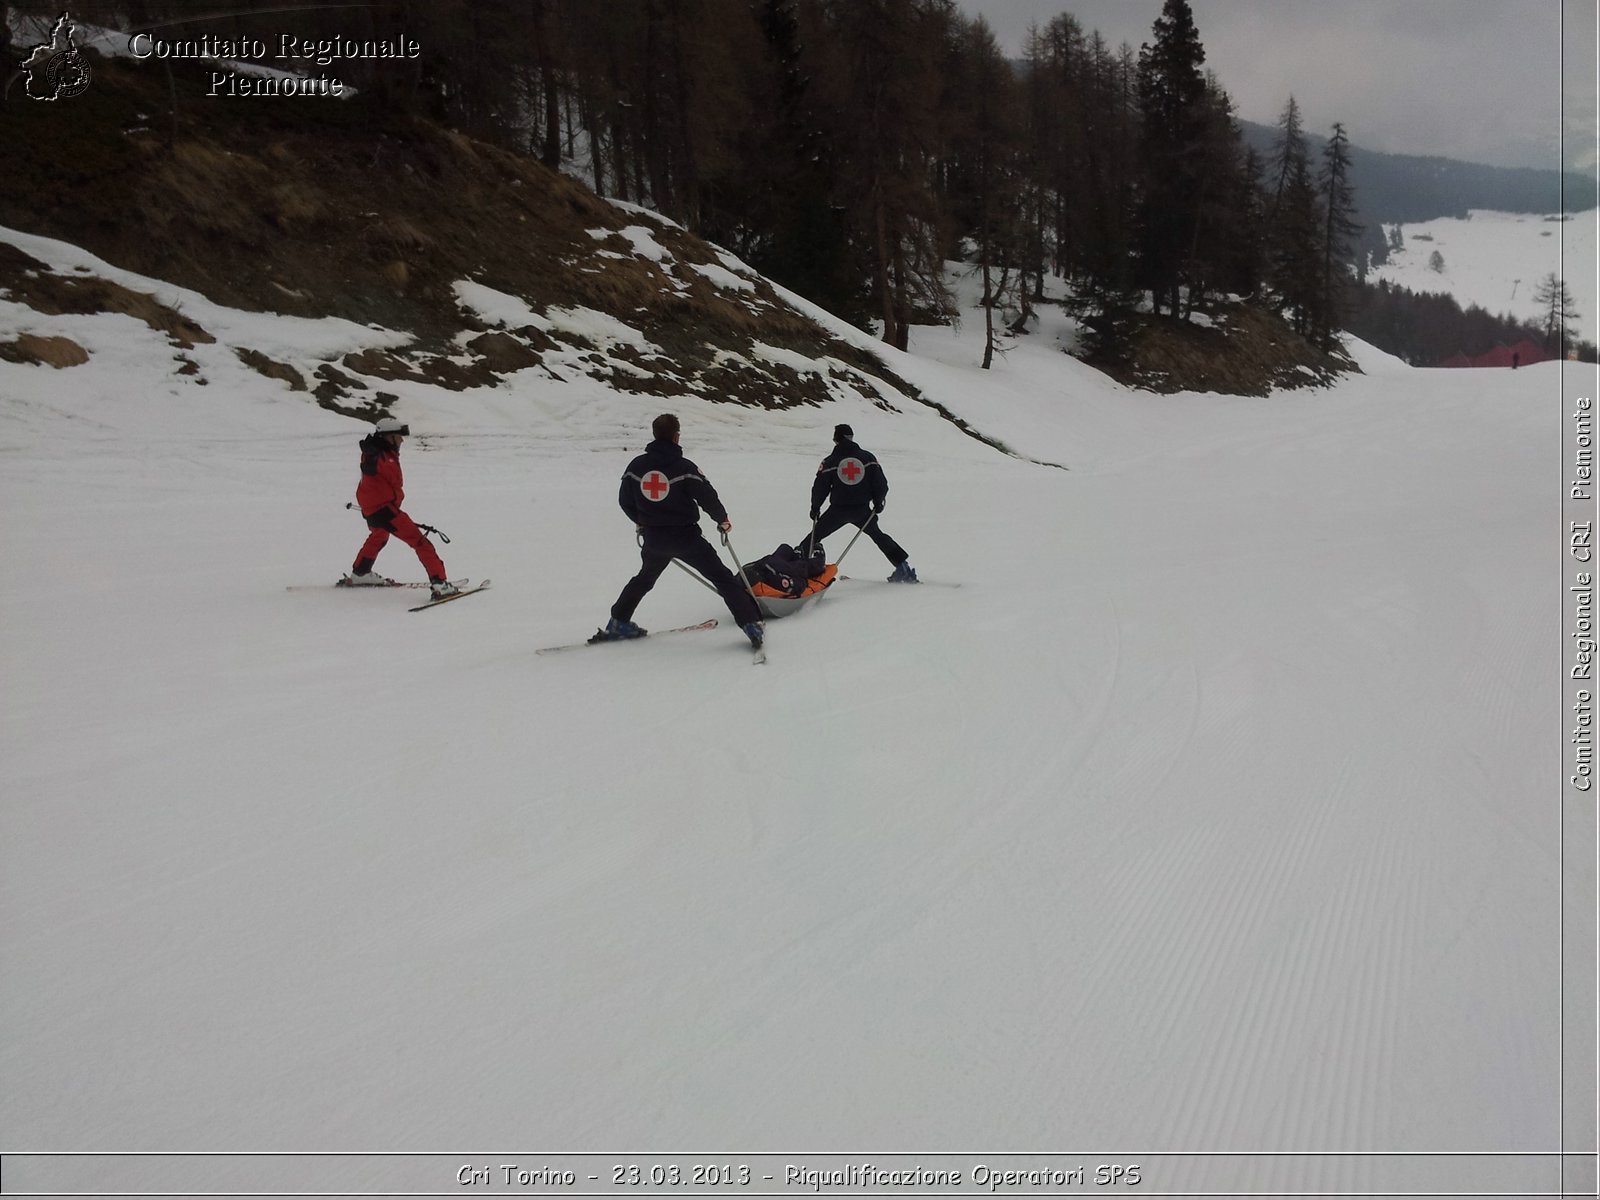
(1496, 260)
(1212, 811)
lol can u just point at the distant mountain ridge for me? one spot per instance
(1399, 189)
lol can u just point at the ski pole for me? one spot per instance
(736, 561)
(443, 536)
(859, 532)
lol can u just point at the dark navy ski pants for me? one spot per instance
(836, 518)
(662, 544)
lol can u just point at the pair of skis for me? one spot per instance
(460, 594)
(759, 654)
(461, 589)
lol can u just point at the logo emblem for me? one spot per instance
(57, 70)
(851, 470)
(654, 485)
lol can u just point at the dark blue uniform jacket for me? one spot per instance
(662, 488)
(851, 476)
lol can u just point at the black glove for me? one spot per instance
(877, 505)
(816, 515)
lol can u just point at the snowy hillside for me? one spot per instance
(1496, 260)
(1209, 812)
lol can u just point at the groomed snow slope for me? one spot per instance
(1213, 810)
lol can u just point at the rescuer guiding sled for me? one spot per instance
(663, 493)
(853, 480)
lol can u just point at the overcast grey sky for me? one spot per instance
(1480, 80)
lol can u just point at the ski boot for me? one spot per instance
(366, 579)
(442, 588)
(754, 632)
(904, 573)
(618, 631)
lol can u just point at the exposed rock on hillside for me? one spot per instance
(1238, 349)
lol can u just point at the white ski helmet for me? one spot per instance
(390, 425)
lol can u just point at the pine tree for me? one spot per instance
(1066, 178)
(1222, 252)
(1036, 116)
(1294, 228)
(882, 61)
(1288, 152)
(1172, 94)
(1557, 317)
(600, 50)
(1107, 296)
(1248, 263)
(547, 97)
(992, 151)
(785, 221)
(1338, 199)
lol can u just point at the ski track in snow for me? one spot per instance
(1202, 816)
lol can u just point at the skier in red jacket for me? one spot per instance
(379, 495)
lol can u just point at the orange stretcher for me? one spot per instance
(774, 603)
